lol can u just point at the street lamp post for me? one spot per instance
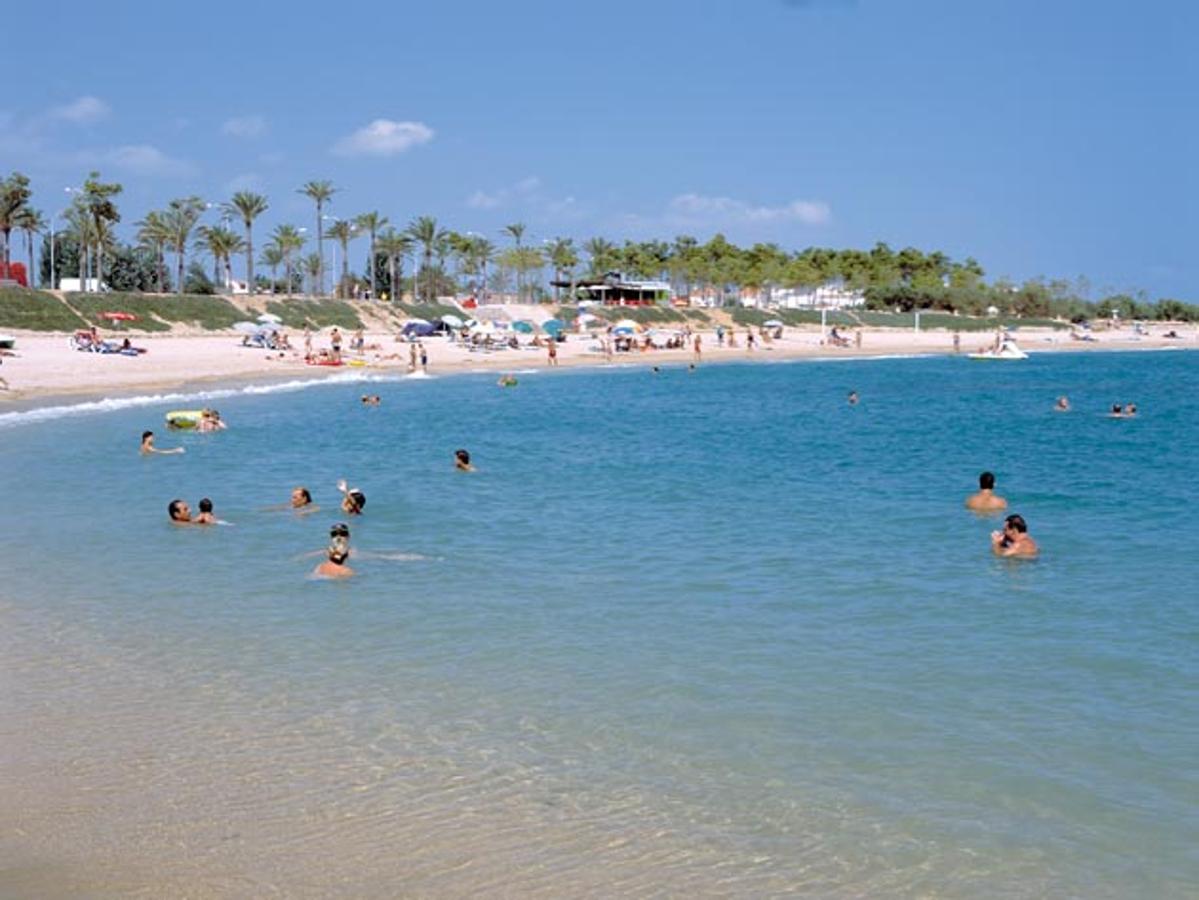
(336, 277)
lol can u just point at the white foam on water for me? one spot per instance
(114, 404)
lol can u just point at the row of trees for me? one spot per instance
(448, 261)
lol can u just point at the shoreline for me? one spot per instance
(44, 372)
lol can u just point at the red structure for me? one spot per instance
(14, 272)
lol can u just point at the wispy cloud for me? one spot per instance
(505, 195)
(247, 181)
(383, 137)
(244, 127)
(82, 111)
(143, 159)
(698, 209)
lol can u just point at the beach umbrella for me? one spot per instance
(553, 326)
(270, 318)
(452, 321)
(523, 327)
(484, 327)
(247, 327)
(627, 325)
(773, 323)
(587, 317)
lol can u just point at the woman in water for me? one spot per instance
(148, 445)
(462, 461)
(353, 501)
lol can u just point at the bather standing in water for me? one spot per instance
(337, 553)
(986, 500)
(1014, 540)
(148, 445)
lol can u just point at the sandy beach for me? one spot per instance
(43, 366)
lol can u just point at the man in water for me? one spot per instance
(1062, 405)
(986, 500)
(205, 517)
(301, 498)
(462, 461)
(180, 513)
(853, 398)
(148, 445)
(1014, 540)
(337, 553)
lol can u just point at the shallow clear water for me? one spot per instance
(715, 632)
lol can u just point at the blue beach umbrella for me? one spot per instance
(553, 326)
(523, 327)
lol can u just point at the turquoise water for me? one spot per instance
(715, 632)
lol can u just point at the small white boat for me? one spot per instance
(1007, 350)
(7, 341)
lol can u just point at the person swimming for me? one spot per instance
(179, 512)
(205, 517)
(1130, 410)
(1062, 404)
(462, 461)
(1014, 539)
(986, 500)
(301, 498)
(353, 501)
(148, 445)
(853, 398)
(337, 553)
(371, 400)
(1117, 411)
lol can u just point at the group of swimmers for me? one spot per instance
(1013, 539)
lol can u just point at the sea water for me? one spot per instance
(713, 632)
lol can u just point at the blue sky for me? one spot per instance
(1053, 138)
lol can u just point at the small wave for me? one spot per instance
(114, 404)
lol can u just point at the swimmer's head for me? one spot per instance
(300, 496)
(354, 502)
(340, 530)
(146, 435)
(178, 511)
(206, 505)
(463, 456)
(986, 481)
(338, 550)
(1016, 523)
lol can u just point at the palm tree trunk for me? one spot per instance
(374, 296)
(391, 270)
(179, 251)
(320, 250)
(249, 259)
(287, 269)
(29, 240)
(345, 266)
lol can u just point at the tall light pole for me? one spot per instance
(336, 276)
(84, 250)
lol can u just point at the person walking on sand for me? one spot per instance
(857, 338)
(957, 342)
(553, 352)
(1014, 540)
(749, 340)
(986, 500)
(699, 345)
(424, 358)
(412, 358)
(335, 343)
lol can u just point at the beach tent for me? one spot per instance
(418, 328)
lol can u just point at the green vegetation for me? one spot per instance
(642, 315)
(317, 313)
(430, 311)
(158, 313)
(36, 311)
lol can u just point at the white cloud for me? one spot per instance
(143, 159)
(505, 195)
(695, 208)
(81, 111)
(244, 127)
(383, 137)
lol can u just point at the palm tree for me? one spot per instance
(424, 231)
(79, 226)
(249, 206)
(154, 234)
(481, 252)
(14, 195)
(104, 215)
(394, 244)
(313, 266)
(602, 253)
(222, 243)
(563, 257)
(320, 192)
(179, 219)
(31, 221)
(272, 255)
(343, 231)
(516, 231)
(289, 240)
(371, 222)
